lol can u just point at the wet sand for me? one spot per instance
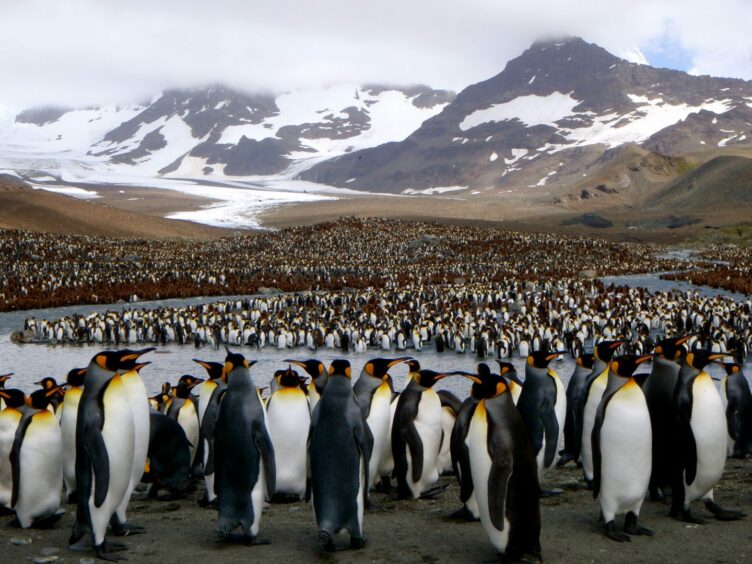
(420, 531)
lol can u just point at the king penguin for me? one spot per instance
(3, 379)
(244, 455)
(659, 393)
(184, 409)
(69, 415)
(503, 470)
(339, 433)
(208, 427)
(374, 392)
(104, 449)
(37, 463)
(699, 439)
(591, 398)
(737, 401)
(137, 397)
(289, 424)
(622, 450)
(417, 435)
(10, 417)
(509, 372)
(450, 408)
(207, 387)
(575, 389)
(542, 406)
(319, 375)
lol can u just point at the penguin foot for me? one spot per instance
(251, 541)
(103, 554)
(564, 459)
(723, 514)
(632, 528)
(48, 521)
(126, 529)
(356, 543)
(551, 493)
(383, 486)
(687, 517)
(114, 546)
(206, 504)
(463, 514)
(327, 540)
(433, 492)
(615, 535)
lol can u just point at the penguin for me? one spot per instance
(737, 401)
(169, 455)
(289, 423)
(36, 460)
(139, 401)
(208, 426)
(319, 375)
(622, 451)
(542, 406)
(450, 407)
(509, 372)
(659, 393)
(54, 400)
(10, 417)
(3, 379)
(68, 418)
(575, 389)
(183, 408)
(104, 449)
(207, 387)
(417, 435)
(698, 439)
(374, 393)
(339, 433)
(244, 454)
(591, 398)
(503, 470)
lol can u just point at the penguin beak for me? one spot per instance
(467, 375)
(249, 363)
(140, 365)
(53, 391)
(397, 361)
(719, 356)
(645, 358)
(201, 363)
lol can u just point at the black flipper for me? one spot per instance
(263, 443)
(100, 460)
(731, 417)
(498, 480)
(460, 452)
(551, 428)
(685, 437)
(595, 438)
(15, 457)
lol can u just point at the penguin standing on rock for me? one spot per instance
(10, 417)
(374, 393)
(319, 375)
(575, 389)
(37, 463)
(104, 449)
(659, 393)
(244, 455)
(737, 400)
(699, 440)
(417, 435)
(68, 418)
(340, 448)
(503, 470)
(542, 406)
(622, 450)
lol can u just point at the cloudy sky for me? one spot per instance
(77, 52)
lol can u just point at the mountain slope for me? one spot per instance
(546, 118)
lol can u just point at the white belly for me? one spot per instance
(68, 429)
(594, 399)
(428, 425)
(139, 402)
(626, 453)
(258, 494)
(708, 422)
(379, 422)
(118, 435)
(447, 424)
(289, 420)
(9, 420)
(387, 462)
(41, 470)
(188, 420)
(480, 466)
(205, 392)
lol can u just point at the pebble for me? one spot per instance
(49, 551)
(19, 541)
(86, 561)
(46, 559)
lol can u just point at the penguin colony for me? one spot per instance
(50, 270)
(315, 434)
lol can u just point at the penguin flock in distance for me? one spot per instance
(322, 436)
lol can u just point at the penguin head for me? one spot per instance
(379, 367)
(186, 384)
(486, 385)
(130, 362)
(605, 350)
(314, 368)
(235, 361)
(509, 372)
(540, 359)
(4, 378)
(288, 378)
(166, 388)
(76, 377)
(413, 365)
(47, 383)
(672, 349)
(626, 364)
(13, 397)
(213, 369)
(159, 400)
(732, 368)
(701, 358)
(586, 360)
(340, 367)
(40, 399)
(115, 361)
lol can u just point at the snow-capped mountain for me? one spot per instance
(213, 132)
(547, 119)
